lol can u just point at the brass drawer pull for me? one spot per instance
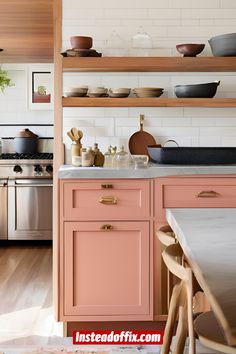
(207, 194)
(106, 227)
(107, 186)
(108, 200)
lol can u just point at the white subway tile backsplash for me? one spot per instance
(228, 141)
(118, 13)
(209, 141)
(228, 4)
(205, 4)
(168, 22)
(80, 13)
(211, 13)
(218, 131)
(200, 112)
(155, 13)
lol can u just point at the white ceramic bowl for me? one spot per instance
(121, 90)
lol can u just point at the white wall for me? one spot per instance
(14, 107)
(169, 22)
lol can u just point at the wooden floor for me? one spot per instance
(26, 314)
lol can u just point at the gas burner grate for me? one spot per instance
(37, 156)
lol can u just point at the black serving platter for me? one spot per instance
(193, 155)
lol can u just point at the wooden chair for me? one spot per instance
(167, 237)
(211, 334)
(181, 303)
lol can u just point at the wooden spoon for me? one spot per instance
(139, 141)
(71, 136)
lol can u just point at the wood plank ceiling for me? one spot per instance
(26, 31)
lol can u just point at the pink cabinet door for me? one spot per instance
(106, 271)
(103, 200)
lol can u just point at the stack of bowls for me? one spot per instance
(80, 91)
(144, 92)
(119, 92)
(97, 92)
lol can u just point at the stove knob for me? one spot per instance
(38, 169)
(17, 169)
(49, 168)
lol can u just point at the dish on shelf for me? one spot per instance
(190, 49)
(81, 42)
(145, 92)
(81, 53)
(206, 90)
(76, 91)
(223, 45)
(119, 92)
(98, 92)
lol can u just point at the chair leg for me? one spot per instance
(170, 324)
(192, 349)
(182, 331)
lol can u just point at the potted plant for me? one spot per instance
(5, 81)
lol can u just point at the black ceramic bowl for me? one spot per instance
(207, 90)
(223, 45)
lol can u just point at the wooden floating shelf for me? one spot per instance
(148, 102)
(151, 64)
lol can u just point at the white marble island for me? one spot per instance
(152, 171)
(208, 239)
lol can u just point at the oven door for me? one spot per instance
(3, 209)
(30, 209)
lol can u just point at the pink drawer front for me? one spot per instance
(108, 200)
(199, 196)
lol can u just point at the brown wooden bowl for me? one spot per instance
(190, 49)
(81, 42)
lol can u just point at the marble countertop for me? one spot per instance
(208, 239)
(152, 171)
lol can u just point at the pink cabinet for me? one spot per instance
(194, 192)
(106, 250)
(106, 268)
(115, 199)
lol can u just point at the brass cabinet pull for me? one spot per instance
(106, 227)
(107, 186)
(108, 200)
(208, 194)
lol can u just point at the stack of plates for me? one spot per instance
(148, 92)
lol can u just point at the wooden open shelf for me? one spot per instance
(151, 64)
(147, 102)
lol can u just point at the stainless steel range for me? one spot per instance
(26, 196)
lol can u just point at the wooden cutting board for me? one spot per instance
(139, 141)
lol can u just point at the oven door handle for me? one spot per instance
(33, 185)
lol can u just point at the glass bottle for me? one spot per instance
(122, 158)
(108, 159)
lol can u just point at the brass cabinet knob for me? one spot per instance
(107, 186)
(108, 200)
(208, 194)
(106, 227)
